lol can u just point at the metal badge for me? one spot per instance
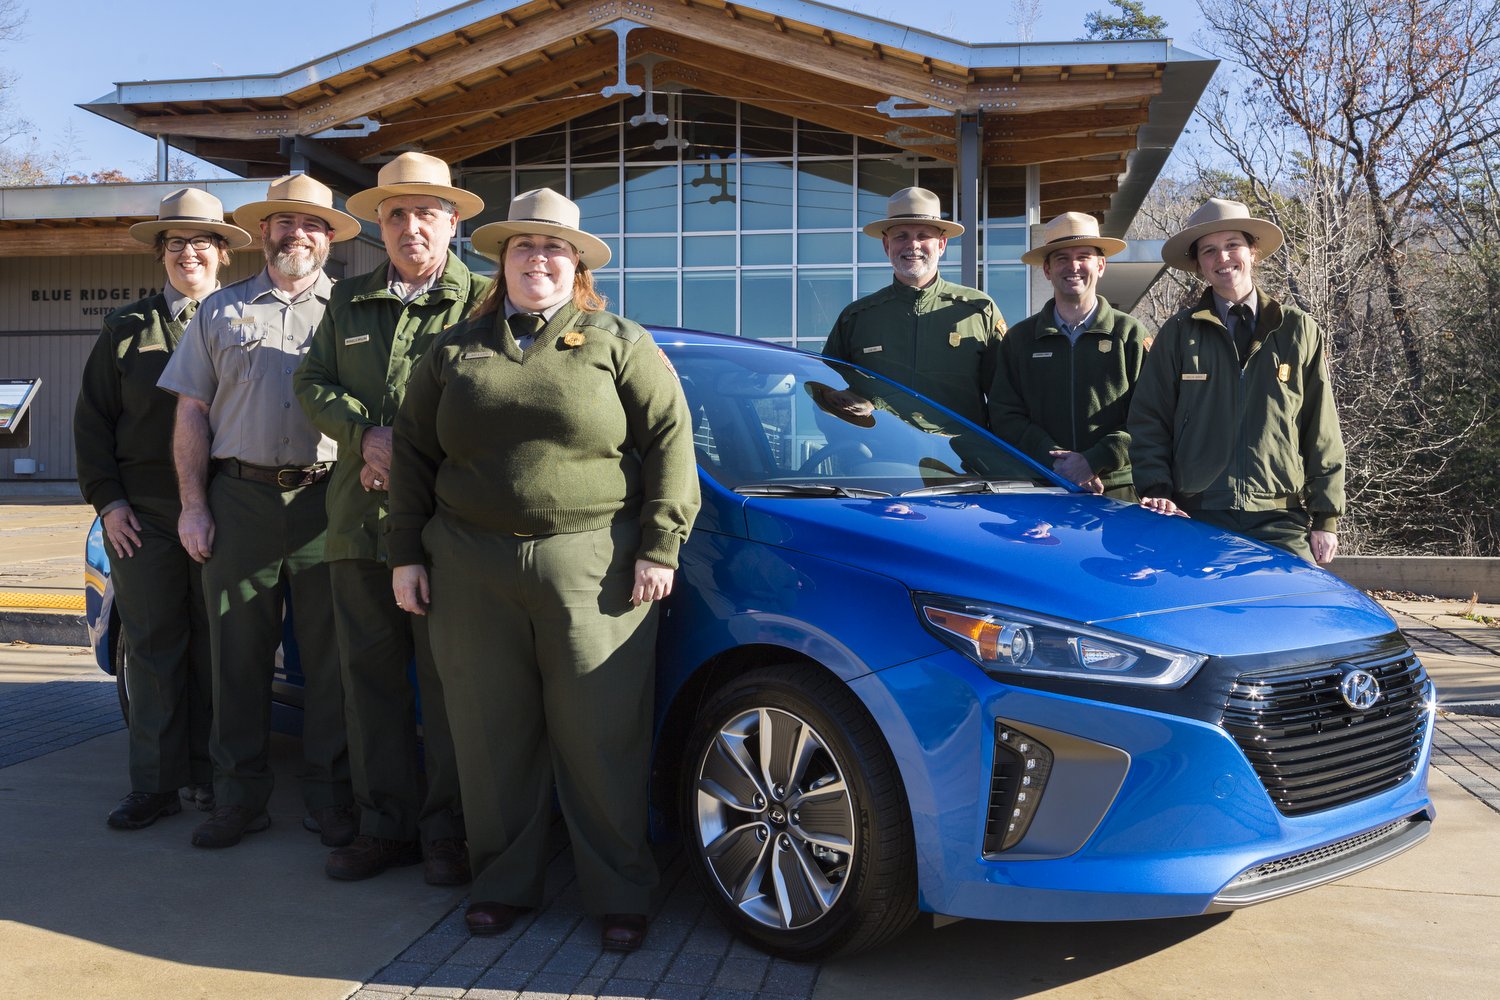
(572, 338)
(871, 350)
(362, 339)
(955, 338)
(1284, 372)
(1195, 376)
(1105, 346)
(1360, 690)
(475, 355)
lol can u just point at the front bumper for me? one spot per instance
(1144, 814)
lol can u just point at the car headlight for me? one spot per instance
(1006, 641)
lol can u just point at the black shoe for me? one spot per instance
(446, 862)
(484, 919)
(622, 931)
(338, 825)
(227, 825)
(141, 809)
(200, 797)
(366, 857)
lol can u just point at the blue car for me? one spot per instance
(906, 670)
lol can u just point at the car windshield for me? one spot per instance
(769, 422)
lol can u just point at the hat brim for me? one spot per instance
(366, 204)
(819, 393)
(343, 226)
(235, 238)
(489, 238)
(1176, 251)
(1108, 246)
(948, 229)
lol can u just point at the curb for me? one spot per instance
(1490, 708)
(41, 628)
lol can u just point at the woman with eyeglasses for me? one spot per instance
(122, 432)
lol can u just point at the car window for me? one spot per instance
(766, 416)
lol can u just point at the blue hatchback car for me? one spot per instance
(907, 670)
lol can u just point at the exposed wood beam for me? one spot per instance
(1012, 128)
(1081, 170)
(1078, 189)
(1051, 150)
(41, 241)
(1028, 96)
(1096, 205)
(460, 144)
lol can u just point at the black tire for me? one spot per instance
(119, 658)
(848, 878)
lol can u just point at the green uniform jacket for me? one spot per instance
(941, 340)
(1214, 437)
(587, 426)
(1051, 394)
(122, 424)
(354, 376)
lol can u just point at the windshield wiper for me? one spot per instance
(805, 490)
(972, 486)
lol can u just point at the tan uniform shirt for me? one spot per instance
(237, 355)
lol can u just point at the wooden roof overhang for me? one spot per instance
(1089, 114)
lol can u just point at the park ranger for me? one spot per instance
(351, 383)
(258, 524)
(1063, 385)
(122, 428)
(927, 333)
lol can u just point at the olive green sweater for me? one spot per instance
(586, 426)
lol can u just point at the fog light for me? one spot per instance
(1021, 768)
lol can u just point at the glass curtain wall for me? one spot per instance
(736, 219)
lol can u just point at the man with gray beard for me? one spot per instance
(252, 474)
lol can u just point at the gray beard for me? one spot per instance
(295, 266)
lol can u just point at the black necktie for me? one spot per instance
(1243, 328)
(523, 325)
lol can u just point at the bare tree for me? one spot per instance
(12, 126)
(1024, 15)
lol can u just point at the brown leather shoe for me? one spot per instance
(140, 809)
(227, 825)
(338, 825)
(366, 857)
(446, 862)
(622, 931)
(484, 919)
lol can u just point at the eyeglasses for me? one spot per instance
(200, 243)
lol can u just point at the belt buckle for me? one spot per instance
(303, 477)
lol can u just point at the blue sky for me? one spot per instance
(75, 52)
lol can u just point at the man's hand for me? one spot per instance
(372, 480)
(195, 529)
(375, 449)
(653, 581)
(1163, 506)
(850, 402)
(413, 594)
(1074, 468)
(123, 531)
(1325, 545)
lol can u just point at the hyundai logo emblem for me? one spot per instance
(1360, 690)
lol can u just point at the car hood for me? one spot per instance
(1085, 559)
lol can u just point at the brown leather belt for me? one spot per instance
(286, 477)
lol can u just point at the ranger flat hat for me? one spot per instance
(1071, 229)
(549, 213)
(304, 194)
(413, 174)
(190, 208)
(913, 204)
(1216, 216)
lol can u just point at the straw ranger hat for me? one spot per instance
(913, 204)
(1071, 229)
(304, 194)
(549, 213)
(1216, 216)
(413, 174)
(190, 208)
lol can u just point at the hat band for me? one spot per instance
(191, 218)
(1081, 236)
(914, 215)
(545, 222)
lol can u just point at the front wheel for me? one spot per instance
(120, 660)
(795, 816)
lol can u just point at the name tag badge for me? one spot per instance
(871, 350)
(162, 347)
(351, 341)
(1195, 376)
(1284, 372)
(475, 355)
(955, 338)
(1042, 354)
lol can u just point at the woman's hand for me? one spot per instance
(653, 581)
(409, 583)
(123, 531)
(1163, 506)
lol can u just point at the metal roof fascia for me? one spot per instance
(110, 201)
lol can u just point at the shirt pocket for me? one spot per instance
(240, 346)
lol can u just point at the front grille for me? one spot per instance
(1311, 750)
